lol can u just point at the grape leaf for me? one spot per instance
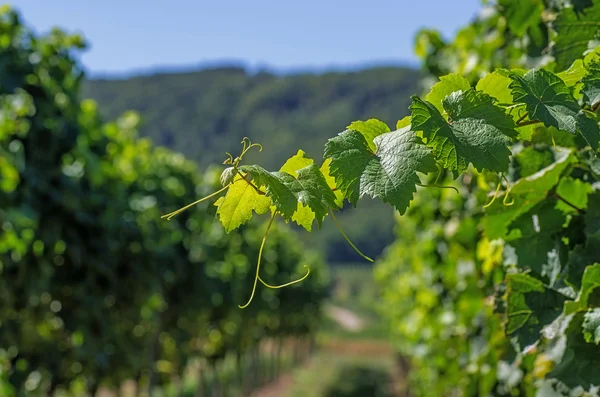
(521, 15)
(370, 129)
(590, 282)
(530, 306)
(227, 176)
(549, 100)
(390, 173)
(526, 193)
(295, 163)
(574, 191)
(574, 74)
(303, 216)
(591, 326)
(308, 188)
(535, 239)
(591, 84)
(404, 122)
(588, 253)
(578, 361)
(476, 132)
(496, 84)
(446, 86)
(283, 198)
(339, 195)
(235, 208)
(575, 28)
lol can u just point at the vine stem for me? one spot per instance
(172, 214)
(346, 237)
(250, 182)
(262, 245)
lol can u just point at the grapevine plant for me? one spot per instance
(529, 137)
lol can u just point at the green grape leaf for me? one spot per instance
(295, 163)
(235, 208)
(532, 159)
(283, 198)
(390, 174)
(575, 192)
(303, 216)
(476, 132)
(574, 74)
(588, 253)
(591, 84)
(496, 84)
(309, 188)
(535, 238)
(549, 100)
(577, 361)
(370, 129)
(404, 122)
(530, 307)
(521, 15)
(575, 28)
(446, 86)
(590, 283)
(526, 193)
(339, 195)
(591, 326)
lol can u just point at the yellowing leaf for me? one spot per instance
(236, 207)
(304, 216)
(339, 196)
(296, 162)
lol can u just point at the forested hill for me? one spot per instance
(205, 113)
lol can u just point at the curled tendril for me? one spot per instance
(508, 188)
(286, 284)
(346, 237)
(247, 145)
(172, 214)
(495, 195)
(229, 159)
(257, 277)
(440, 187)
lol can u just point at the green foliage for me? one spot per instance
(208, 112)
(575, 27)
(95, 288)
(389, 173)
(476, 131)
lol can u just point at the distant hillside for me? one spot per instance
(206, 113)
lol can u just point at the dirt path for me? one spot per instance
(277, 388)
(345, 318)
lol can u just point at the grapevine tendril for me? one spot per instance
(440, 187)
(554, 144)
(508, 188)
(286, 284)
(495, 195)
(262, 245)
(172, 214)
(346, 237)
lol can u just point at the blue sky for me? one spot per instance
(130, 35)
